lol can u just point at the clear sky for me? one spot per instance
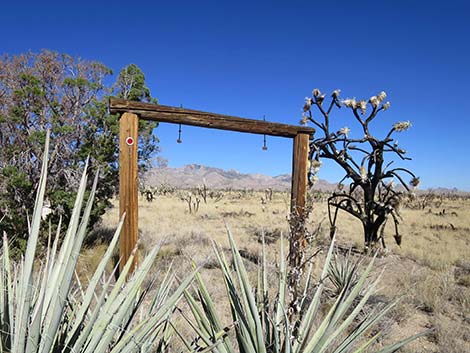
(255, 58)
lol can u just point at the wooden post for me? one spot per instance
(298, 242)
(299, 173)
(128, 185)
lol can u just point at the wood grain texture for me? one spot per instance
(185, 116)
(128, 186)
(299, 173)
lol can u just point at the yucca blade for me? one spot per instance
(258, 340)
(164, 289)
(242, 328)
(203, 333)
(371, 319)
(306, 325)
(146, 327)
(341, 305)
(395, 347)
(208, 319)
(67, 244)
(7, 297)
(335, 332)
(366, 344)
(24, 299)
(34, 331)
(82, 335)
(116, 309)
(94, 329)
(92, 285)
(55, 312)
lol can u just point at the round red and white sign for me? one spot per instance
(129, 141)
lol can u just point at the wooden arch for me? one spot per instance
(131, 112)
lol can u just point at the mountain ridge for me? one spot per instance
(192, 175)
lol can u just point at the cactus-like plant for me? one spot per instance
(343, 271)
(41, 310)
(261, 321)
(367, 161)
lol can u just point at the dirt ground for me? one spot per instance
(431, 269)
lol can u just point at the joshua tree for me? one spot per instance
(371, 195)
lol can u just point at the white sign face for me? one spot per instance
(129, 141)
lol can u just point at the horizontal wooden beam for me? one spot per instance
(185, 116)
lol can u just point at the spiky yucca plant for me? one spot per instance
(262, 325)
(41, 310)
(343, 270)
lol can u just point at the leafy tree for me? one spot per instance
(371, 196)
(131, 85)
(49, 90)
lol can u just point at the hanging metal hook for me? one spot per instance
(179, 140)
(265, 147)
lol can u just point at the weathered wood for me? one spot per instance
(299, 173)
(298, 241)
(184, 116)
(128, 186)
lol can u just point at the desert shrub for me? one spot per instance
(45, 310)
(343, 271)
(49, 90)
(262, 322)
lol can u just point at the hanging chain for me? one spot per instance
(179, 140)
(265, 147)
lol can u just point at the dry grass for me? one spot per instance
(431, 269)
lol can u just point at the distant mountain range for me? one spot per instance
(192, 175)
(195, 174)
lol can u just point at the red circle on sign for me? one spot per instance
(130, 141)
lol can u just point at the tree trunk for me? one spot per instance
(370, 224)
(371, 234)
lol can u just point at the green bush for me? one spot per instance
(68, 96)
(44, 309)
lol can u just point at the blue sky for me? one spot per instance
(258, 58)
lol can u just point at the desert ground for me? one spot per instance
(430, 270)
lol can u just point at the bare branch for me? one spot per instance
(369, 198)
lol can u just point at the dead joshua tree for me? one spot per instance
(202, 191)
(192, 200)
(371, 196)
(268, 194)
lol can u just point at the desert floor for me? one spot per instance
(431, 269)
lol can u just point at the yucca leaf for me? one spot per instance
(306, 325)
(372, 318)
(208, 319)
(335, 332)
(80, 336)
(67, 244)
(244, 339)
(79, 317)
(56, 308)
(24, 299)
(34, 331)
(143, 329)
(164, 289)
(7, 298)
(249, 297)
(366, 344)
(395, 347)
(113, 312)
